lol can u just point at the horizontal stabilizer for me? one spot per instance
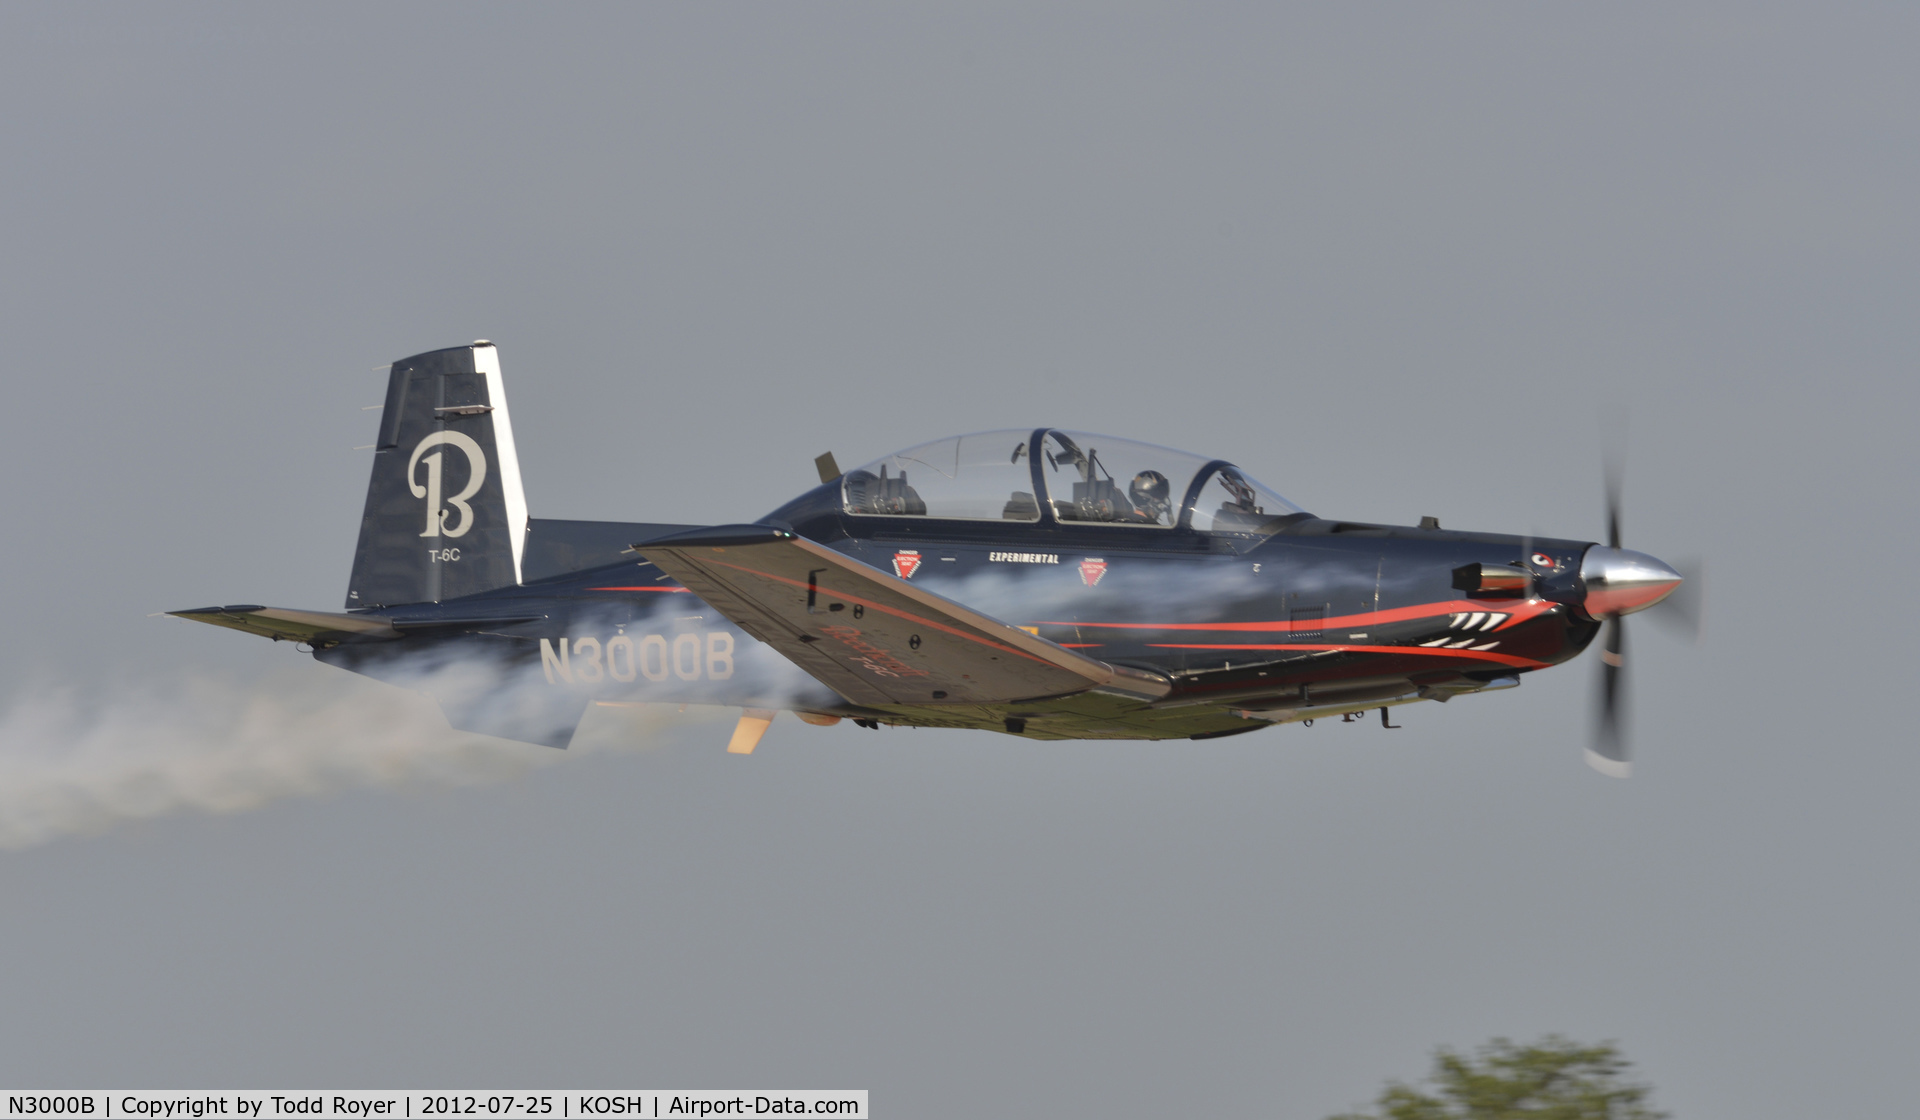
(869, 635)
(286, 625)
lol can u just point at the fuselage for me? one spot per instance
(1301, 618)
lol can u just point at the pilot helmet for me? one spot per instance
(1150, 493)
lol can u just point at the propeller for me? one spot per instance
(1608, 753)
(1619, 583)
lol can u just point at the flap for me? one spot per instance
(285, 625)
(869, 635)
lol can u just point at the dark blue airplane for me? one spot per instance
(1046, 583)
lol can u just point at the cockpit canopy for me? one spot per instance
(990, 476)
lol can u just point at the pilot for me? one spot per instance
(1151, 497)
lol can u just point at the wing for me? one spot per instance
(870, 636)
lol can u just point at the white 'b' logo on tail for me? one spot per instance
(476, 474)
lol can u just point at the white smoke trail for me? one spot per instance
(73, 764)
(70, 765)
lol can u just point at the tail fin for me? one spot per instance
(445, 513)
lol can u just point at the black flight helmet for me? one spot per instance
(1152, 496)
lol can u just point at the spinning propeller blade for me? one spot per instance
(1608, 754)
(1619, 582)
(1613, 501)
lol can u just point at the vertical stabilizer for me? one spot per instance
(446, 515)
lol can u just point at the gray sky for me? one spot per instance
(1394, 261)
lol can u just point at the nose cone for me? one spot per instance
(1621, 582)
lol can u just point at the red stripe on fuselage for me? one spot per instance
(1384, 651)
(1519, 612)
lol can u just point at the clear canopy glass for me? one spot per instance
(1230, 502)
(983, 476)
(1117, 481)
(1086, 478)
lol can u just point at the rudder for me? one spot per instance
(446, 515)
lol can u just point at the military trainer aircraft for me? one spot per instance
(1038, 582)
